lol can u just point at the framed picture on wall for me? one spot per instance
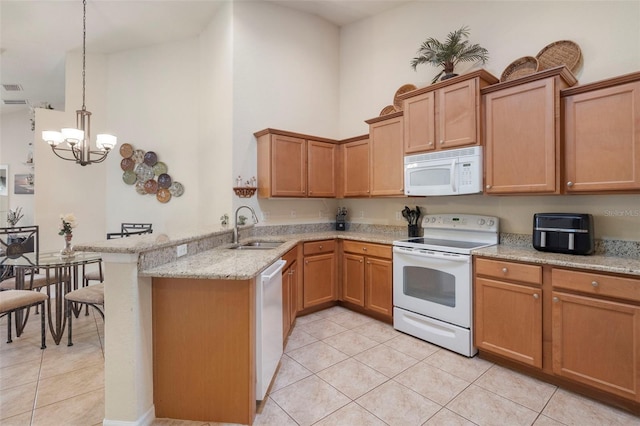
(4, 179)
(23, 184)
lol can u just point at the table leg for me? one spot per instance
(62, 276)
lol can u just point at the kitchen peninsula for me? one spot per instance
(142, 269)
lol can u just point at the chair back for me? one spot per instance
(18, 240)
(14, 243)
(128, 229)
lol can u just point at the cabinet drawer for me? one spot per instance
(597, 284)
(314, 247)
(509, 270)
(290, 256)
(376, 250)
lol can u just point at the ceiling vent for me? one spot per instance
(12, 87)
(14, 102)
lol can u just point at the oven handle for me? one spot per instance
(453, 257)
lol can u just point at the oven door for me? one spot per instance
(434, 284)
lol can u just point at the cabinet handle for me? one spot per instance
(291, 272)
(569, 184)
(430, 143)
(594, 283)
(320, 247)
(536, 296)
(360, 260)
(364, 248)
(555, 300)
(488, 186)
(505, 270)
(306, 262)
(368, 263)
(441, 142)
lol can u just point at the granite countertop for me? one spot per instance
(612, 264)
(222, 263)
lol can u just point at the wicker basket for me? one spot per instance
(403, 89)
(389, 109)
(519, 68)
(563, 52)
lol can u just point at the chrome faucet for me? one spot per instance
(235, 227)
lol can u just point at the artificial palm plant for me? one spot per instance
(448, 54)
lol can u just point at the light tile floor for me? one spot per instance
(339, 368)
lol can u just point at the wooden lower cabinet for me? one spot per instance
(319, 273)
(597, 342)
(204, 349)
(508, 310)
(508, 320)
(583, 334)
(289, 291)
(367, 277)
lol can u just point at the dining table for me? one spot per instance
(63, 274)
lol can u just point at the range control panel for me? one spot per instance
(469, 222)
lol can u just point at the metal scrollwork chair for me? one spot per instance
(90, 296)
(16, 242)
(13, 300)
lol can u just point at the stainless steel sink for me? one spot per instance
(257, 245)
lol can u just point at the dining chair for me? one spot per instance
(15, 242)
(13, 300)
(92, 295)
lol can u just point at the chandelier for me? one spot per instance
(78, 139)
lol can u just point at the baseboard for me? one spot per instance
(146, 419)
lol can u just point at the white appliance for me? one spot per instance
(432, 279)
(448, 172)
(268, 326)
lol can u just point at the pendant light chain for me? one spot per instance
(84, 50)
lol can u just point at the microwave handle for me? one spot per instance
(453, 175)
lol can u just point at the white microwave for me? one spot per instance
(449, 172)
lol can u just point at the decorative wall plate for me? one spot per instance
(164, 181)
(150, 158)
(163, 195)
(144, 172)
(176, 189)
(129, 177)
(127, 164)
(138, 156)
(126, 150)
(159, 168)
(151, 186)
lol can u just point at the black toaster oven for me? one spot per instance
(570, 233)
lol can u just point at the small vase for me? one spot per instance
(68, 250)
(447, 76)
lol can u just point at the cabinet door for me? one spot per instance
(353, 279)
(286, 302)
(387, 159)
(319, 279)
(378, 286)
(419, 123)
(602, 139)
(522, 154)
(508, 320)
(294, 276)
(356, 169)
(457, 114)
(597, 342)
(288, 166)
(321, 157)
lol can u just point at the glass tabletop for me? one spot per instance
(49, 259)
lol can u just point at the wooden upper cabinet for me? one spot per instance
(522, 133)
(446, 114)
(419, 123)
(355, 168)
(602, 136)
(386, 155)
(295, 165)
(321, 157)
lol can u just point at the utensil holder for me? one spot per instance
(413, 231)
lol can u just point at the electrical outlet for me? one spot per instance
(181, 250)
(398, 216)
(265, 215)
(293, 213)
(320, 213)
(361, 213)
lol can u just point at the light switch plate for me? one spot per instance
(181, 250)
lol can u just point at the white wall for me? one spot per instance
(15, 137)
(63, 186)
(215, 168)
(152, 102)
(286, 76)
(375, 55)
(375, 52)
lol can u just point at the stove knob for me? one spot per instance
(481, 222)
(433, 220)
(491, 222)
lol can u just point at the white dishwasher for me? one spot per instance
(268, 326)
